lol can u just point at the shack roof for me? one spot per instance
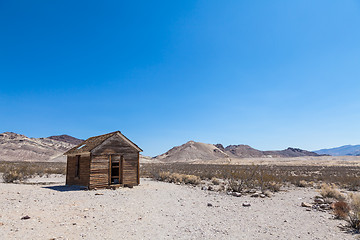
(91, 143)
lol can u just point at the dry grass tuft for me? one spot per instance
(331, 191)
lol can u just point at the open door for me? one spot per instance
(116, 163)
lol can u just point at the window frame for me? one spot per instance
(77, 167)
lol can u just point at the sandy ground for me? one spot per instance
(158, 210)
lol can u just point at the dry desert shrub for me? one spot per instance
(178, 178)
(341, 210)
(164, 176)
(273, 186)
(331, 191)
(215, 181)
(302, 183)
(354, 214)
(191, 179)
(235, 186)
(14, 175)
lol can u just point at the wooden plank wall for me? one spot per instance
(83, 179)
(130, 169)
(117, 146)
(99, 171)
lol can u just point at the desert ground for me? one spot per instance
(158, 210)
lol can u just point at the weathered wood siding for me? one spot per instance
(115, 145)
(130, 168)
(84, 170)
(99, 171)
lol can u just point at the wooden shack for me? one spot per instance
(108, 160)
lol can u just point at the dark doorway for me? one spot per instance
(116, 169)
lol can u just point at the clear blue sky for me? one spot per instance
(271, 74)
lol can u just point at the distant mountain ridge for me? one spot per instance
(346, 150)
(193, 151)
(67, 139)
(17, 147)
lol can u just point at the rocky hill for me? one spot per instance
(17, 147)
(67, 139)
(241, 151)
(291, 152)
(194, 151)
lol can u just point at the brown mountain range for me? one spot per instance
(194, 151)
(17, 147)
(67, 139)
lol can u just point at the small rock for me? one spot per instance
(325, 206)
(307, 205)
(209, 205)
(255, 195)
(267, 193)
(246, 204)
(1, 224)
(99, 194)
(236, 194)
(262, 195)
(204, 188)
(319, 200)
(210, 188)
(252, 191)
(74, 223)
(25, 217)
